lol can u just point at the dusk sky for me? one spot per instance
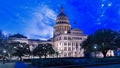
(36, 18)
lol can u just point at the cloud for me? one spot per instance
(40, 25)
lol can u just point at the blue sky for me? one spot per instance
(35, 18)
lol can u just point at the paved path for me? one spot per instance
(7, 65)
(22, 65)
(16, 65)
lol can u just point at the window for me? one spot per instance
(69, 54)
(65, 48)
(69, 44)
(59, 38)
(76, 46)
(65, 43)
(80, 38)
(69, 48)
(65, 54)
(56, 39)
(69, 38)
(77, 38)
(77, 33)
(65, 38)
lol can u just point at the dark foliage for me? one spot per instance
(3, 41)
(18, 49)
(43, 50)
(104, 39)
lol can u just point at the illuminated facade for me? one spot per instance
(67, 41)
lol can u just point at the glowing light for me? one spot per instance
(65, 32)
(4, 51)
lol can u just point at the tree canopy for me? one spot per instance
(104, 39)
(18, 49)
(44, 50)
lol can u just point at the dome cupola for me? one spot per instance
(62, 24)
(62, 18)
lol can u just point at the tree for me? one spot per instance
(27, 49)
(38, 51)
(117, 40)
(2, 37)
(103, 38)
(18, 49)
(3, 40)
(44, 50)
(56, 53)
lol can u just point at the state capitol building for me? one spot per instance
(66, 41)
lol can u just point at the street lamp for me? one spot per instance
(95, 48)
(21, 46)
(4, 52)
(15, 47)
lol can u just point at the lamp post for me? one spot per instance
(28, 52)
(3, 56)
(14, 47)
(95, 48)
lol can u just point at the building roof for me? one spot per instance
(76, 29)
(17, 36)
(37, 40)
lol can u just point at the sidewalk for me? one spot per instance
(7, 65)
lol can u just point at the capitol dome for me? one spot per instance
(62, 24)
(62, 18)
